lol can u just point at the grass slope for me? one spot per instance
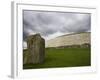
(67, 57)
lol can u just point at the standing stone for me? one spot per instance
(36, 49)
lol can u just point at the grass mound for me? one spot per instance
(66, 57)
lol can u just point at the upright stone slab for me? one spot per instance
(36, 49)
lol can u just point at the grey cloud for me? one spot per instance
(48, 23)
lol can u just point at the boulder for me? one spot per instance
(36, 49)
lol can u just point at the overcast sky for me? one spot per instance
(53, 24)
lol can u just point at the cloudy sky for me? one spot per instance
(53, 24)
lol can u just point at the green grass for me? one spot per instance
(67, 57)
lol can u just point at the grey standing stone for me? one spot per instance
(36, 49)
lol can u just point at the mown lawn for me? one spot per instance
(67, 57)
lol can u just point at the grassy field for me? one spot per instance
(67, 57)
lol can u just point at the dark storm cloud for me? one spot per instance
(48, 23)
